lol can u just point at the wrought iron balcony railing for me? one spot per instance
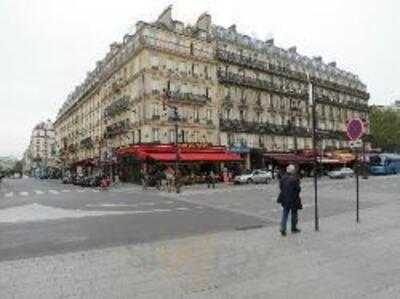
(236, 79)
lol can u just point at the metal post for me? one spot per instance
(314, 147)
(357, 194)
(177, 187)
(364, 161)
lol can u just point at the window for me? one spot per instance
(258, 117)
(227, 113)
(192, 69)
(155, 134)
(207, 92)
(171, 136)
(206, 72)
(196, 114)
(242, 115)
(183, 136)
(209, 114)
(156, 110)
(191, 49)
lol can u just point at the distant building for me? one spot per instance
(40, 157)
(394, 106)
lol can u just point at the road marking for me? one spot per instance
(65, 190)
(147, 203)
(162, 210)
(9, 194)
(182, 209)
(54, 192)
(39, 192)
(81, 190)
(110, 205)
(23, 193)
(95, 190)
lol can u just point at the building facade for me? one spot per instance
(40, 157)
(229, 89)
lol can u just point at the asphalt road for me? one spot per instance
(40, 218)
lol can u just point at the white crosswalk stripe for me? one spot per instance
(95, 190)
(39, 192)
(54, 192)
(23, 193)
(10, 194)
(182, 209)
(65, 191)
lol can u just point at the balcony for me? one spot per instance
(236, 79)
(174, 48)
(259, 65)
(118, 107)
(322, 99)
(87, 143)
(186, 97)
(238, 126)
(116, 129)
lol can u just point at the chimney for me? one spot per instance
(318, 59)
(293, 50)
(204, 22)
(114, 46)
(332, 64)
(165, 17)
(270, 42)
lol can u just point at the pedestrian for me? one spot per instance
(144, 178)
(289, 198)
(211, 179)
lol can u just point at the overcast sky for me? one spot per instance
(47, 46)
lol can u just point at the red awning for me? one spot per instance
(165, 153)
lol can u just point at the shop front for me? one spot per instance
(194, 161)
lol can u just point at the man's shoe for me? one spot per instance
(283, 233)
(295, 231)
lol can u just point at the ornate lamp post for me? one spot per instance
(175, 117)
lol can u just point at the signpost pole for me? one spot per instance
(357, 196)
(355, 132)
(314, 148)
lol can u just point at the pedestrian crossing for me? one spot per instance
(13, 194)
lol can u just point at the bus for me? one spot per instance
(383, 164)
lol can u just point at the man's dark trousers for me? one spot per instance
(285, 215)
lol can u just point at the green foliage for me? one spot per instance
(385, 129)
(18, 167)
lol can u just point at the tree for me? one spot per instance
(18, 167)
(385, 129)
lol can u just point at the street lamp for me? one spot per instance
(175, 118)
(314, 146)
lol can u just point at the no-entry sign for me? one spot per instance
(355, 129)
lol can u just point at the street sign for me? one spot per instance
(355, 129)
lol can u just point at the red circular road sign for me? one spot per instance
(355, 129)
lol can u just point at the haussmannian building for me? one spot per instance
(230, 90)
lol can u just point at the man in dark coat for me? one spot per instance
(289, 198)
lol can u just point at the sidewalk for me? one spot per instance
(343, 260)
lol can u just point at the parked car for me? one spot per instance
(341, 173)
(256, 176)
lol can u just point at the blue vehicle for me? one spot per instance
(383, 164)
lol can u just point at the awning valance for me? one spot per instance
(167, 153)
